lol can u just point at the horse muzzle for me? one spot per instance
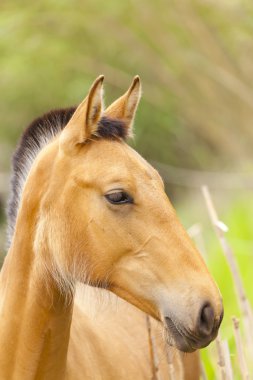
(204, 332)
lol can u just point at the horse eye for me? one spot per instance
(119, 197)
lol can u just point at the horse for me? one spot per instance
(88, 215)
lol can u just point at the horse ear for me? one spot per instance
(83, 123)
(124, 108)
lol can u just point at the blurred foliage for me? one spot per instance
(195, 59)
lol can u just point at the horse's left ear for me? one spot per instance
(124, 108)
(83, 123)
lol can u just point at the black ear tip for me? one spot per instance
(136, 84)
(97, 84)
(98, 81)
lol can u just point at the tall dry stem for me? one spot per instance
(220, 230)
(153, 352)
(239, 348)
(221, 359)
(226, 353)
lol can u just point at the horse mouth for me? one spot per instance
(182, 339)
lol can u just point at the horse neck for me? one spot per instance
(34, 318)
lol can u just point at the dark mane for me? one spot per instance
(37, 135)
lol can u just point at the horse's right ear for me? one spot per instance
(124, 108)
(83, 123)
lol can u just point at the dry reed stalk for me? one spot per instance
(153, 353)
(221, 359)
(220, 229)
(239, 348)
(175, 364)
(227, 360)
(172, 374)
(203, 371)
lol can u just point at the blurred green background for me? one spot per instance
(194, 124)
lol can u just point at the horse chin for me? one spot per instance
(181, 344)
(175, 339)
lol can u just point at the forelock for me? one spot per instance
(112, 128)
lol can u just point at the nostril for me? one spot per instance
(221, 318)
(206, 320)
